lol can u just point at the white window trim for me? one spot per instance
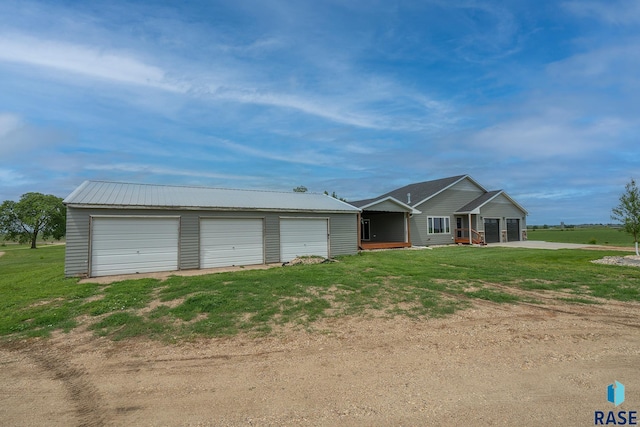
(447, 222)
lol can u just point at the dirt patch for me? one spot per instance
(1, 253)
(492, 364)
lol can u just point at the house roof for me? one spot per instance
(370, 204)
(476, 204)
(421, 191)
(127, 195)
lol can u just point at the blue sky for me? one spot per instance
(539, 98)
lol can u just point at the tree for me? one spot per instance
(334, 195)
(628, 211)
(300, 189)
(34, 214)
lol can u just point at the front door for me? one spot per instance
(459, 227)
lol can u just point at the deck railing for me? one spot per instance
(462, 236)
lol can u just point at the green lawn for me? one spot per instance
(36, 299)
(587, 235)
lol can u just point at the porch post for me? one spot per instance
(470, 234)
(359, 219)
(408, 225)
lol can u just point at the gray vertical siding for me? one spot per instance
(343, 230)
(76, 257)
(343, 233)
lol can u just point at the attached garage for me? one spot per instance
(127, 245)
(303, 237)
(231, 241)
(491, 230)
(122, 228)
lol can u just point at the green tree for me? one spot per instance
(34, 214)
(300, 189)
(628, 211)
(334, 195)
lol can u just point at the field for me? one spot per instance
(453, 335)
(608, 236)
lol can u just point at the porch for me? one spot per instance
(468, 236)
(366, 246)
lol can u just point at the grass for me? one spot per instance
(599, 235)
(37, 299)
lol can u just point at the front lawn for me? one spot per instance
(37, 299)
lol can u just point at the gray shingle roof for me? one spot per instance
(117, 194)
(419, 191)
(477, 203)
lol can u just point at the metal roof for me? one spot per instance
(127, 195)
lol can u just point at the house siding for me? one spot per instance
(343, 233)
(443, 204)
(387, 206)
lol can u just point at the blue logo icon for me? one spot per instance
(615, 393)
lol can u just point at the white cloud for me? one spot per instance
(610, 11)
(11, 178)
(18, 138)
(84, 60)
(160, 170)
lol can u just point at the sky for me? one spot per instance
(538, 98)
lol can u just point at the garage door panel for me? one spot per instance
(303, 237)
(491, 230)
(231, 241)
(513, 230)
(129, 245)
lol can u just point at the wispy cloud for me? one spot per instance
(147, 169)
(84, 60)
(611, 11)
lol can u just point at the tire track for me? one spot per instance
(83, 395)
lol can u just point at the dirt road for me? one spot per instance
(489, 365)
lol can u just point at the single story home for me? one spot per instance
(119, 228)
(450, 210)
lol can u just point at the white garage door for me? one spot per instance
(231, 241)
(303, 236)
(126, 245)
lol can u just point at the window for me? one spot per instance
(438, 225)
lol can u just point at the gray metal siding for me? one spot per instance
(272, 238)
(343, 230)
(444, 204)
(189, 240)
(76, 257)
